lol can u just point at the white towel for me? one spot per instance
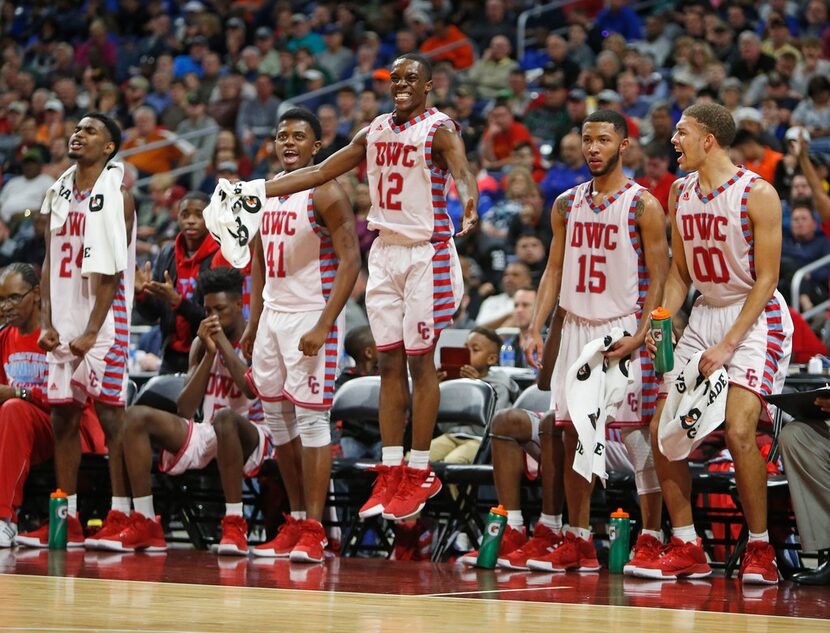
(233, 217)
(105, 236)
(595, 388)
(695, 407)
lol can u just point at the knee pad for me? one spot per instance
(314, 428)
(638, 445)
(281, 420)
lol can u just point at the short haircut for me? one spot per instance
(358, 339)
(200, 196)
(609, 116)
(716, 119)
(489, 334)
(222, 279)
(522, 145)
(26, 271)
(415, 57)
(112, 128)
(303, 114)
(742, 137)
(655, 149)
(527, 289)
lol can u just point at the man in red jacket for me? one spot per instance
(26, 436)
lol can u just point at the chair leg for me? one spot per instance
(737, 552)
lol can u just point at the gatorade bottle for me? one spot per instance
(58, 509)
(488, 553)
(661, 333)
(620, 534)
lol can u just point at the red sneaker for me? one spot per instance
(679, 559)
(758, 566)
(415, 488)
(309, 549)
(234, 536)
(385, 486)
(281, 545)
(113, 525)
(543, 541)
(40, 536)
(573, 554)
(646, 551)
(413, 541)
(142, 533)
(512, 540)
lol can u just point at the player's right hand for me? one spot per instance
(651, 346)
(206, 332)
(247, 340)
(48, 339)
(533, 346)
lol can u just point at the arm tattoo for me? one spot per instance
(562, 205)
(640, 208)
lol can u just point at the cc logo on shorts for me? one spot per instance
(424, 330)
(313, 385)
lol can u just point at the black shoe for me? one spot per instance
(820, 576)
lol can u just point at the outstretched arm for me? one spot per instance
(820, 198)
(449, 150)
(315, 175)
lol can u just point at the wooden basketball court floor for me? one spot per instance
(191, 591)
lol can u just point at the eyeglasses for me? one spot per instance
(15, 299)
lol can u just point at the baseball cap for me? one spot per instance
(795, 132)
(465, 91)
(138, 82)
(747, 114)
(552, 83)
(312, 74)
(609, 96)
(235, 23)
(34, 155)
(328, 29)
(53, 104)
(194, 6)
(298, 17)
(194, 99)
(682, 77)
(264, 32)
(381, 74)
(198, 40)
(18, 106)
(577, 94)
(227, 165)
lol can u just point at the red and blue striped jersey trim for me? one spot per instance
(112, 383)
(405, 126)
(599, 208)
(442, 225)
(642, 272)
(745, 224)
(328, 258)
(330, 351)
(716, 192)
(775, 344)
(443, 299)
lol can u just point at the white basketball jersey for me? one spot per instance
(73, 295)
(300, 262)
(720, 252)
(222, 392)
(604, 275)
(408, 190)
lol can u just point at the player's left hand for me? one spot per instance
(624, 347)
(312, 341)
(165, 291)
(468, 371)
(470, 218)
(82, 344)
(713, 358)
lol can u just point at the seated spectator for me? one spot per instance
(496, 309)
(331, 140)
(257, 116)
(522, 312)
(814, 112)
(752, 61)
(530, 250)
(502, 135)
(490, 74)
(458, 443)
(26, 436)
(233, 429)
(750, 119)
(445, 34)
(198, 120)
(346, 102)
(533, 218)
(225, 101)
(467, 116)
(523, 157)
(360, 438)
(53, 123)
(757, 157)
(269, 57)
(567, 172)
(303, 37)
(166, 293)
(161, 159)
(495, 222)
(547, 117)
(25, 192)
(155, 216)
(619, 17)
(657, 177)
(632, 104)
(804, 245)
(497, 20)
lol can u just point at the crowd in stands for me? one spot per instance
(197, 88)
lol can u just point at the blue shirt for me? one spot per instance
(559, 179)
(626, 22)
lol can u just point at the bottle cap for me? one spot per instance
(619, 514)
(660, 314)
(58, 494)
(499, 510)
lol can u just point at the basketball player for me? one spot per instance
(232, 429)
(86, 320)
(306, 260)
(726, 240)
(607, 268)
(415, 282)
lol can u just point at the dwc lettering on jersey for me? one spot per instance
(704, 227)
(75, 225)
(594, 235)
(392, 153)
(278, 223)
(222, 387)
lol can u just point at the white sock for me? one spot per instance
(419, 459)
(299, 515)
(655, 533)
(122, 504)
(687, 533)
(583, 533)
(392, 455)
(551, 521)
(72, 507)
(515, 519)
(233, 509)
(144, 506)
(760, 536)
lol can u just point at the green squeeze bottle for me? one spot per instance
(58, 509)
(620, 535)
(488, 553)
(661, 333)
